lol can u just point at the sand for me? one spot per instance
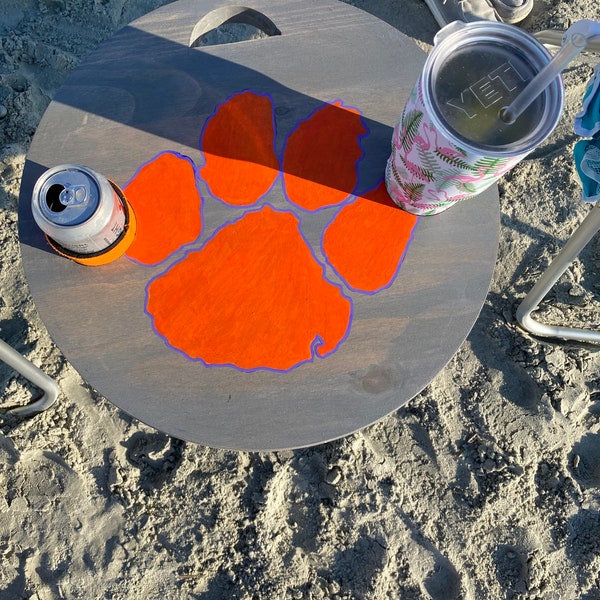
(485, 486)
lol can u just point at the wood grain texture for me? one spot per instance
(145, 91)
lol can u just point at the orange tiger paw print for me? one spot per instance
(254, 293)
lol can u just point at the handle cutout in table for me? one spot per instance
(203, 32)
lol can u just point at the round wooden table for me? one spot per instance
(149, 90)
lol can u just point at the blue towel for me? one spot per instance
(587, 122)
(587, 152)
(587, 162)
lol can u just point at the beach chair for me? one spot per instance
(577, 242)
(34, 375)
(587, 160)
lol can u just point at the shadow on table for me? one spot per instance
(168, 92)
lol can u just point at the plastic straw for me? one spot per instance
(575, 40)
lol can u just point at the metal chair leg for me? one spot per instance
(20, 364)
(552, 39)
(586, 231)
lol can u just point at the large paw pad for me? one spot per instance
(254, 296)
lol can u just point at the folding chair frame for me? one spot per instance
(37, 377)
(586, 231)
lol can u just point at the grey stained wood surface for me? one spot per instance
(147, 90)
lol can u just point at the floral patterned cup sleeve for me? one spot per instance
(451, 142)
(426, 172)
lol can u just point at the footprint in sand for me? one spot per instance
(511, 568)
(584, 462)
(155, 455)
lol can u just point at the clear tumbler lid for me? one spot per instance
(477, 69)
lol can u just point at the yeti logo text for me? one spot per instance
(487, 91)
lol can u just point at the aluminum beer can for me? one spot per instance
(450, 143)
(81, 212)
